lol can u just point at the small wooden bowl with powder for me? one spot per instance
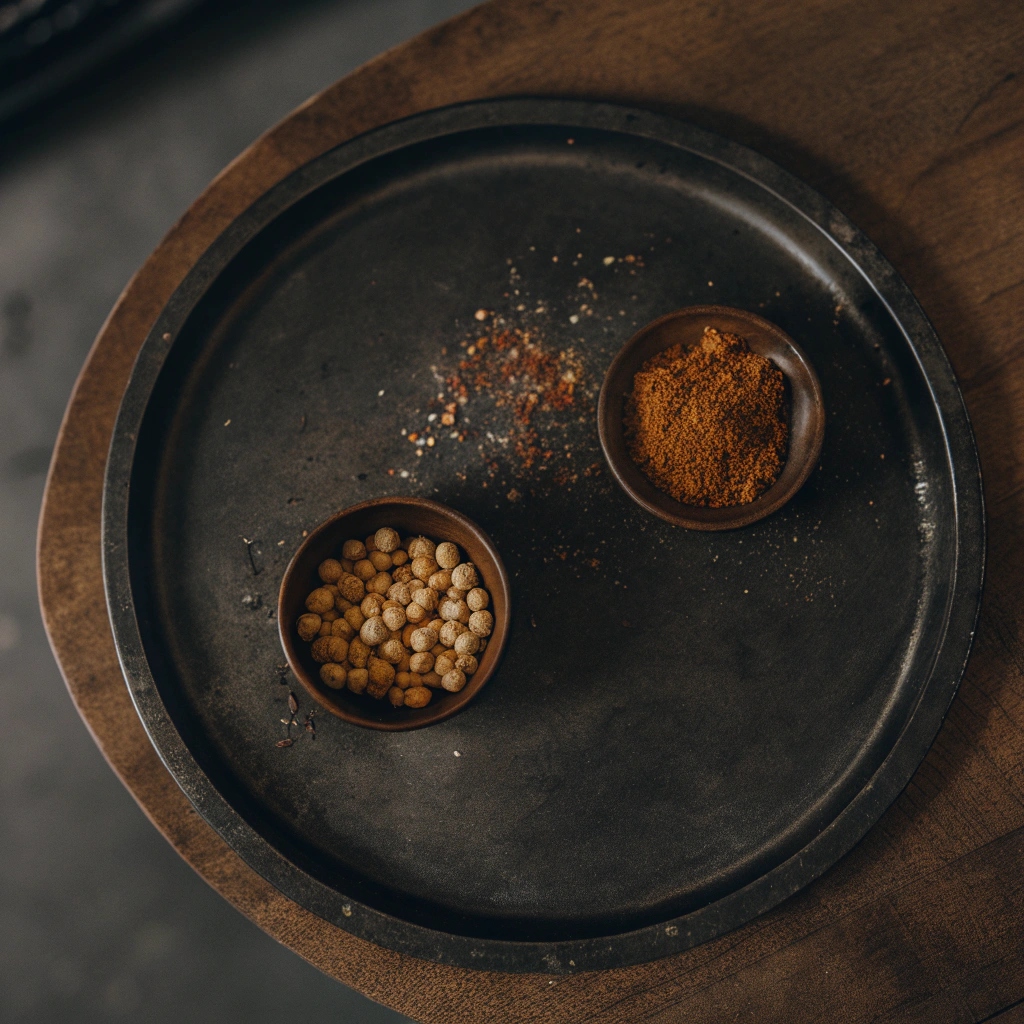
(656, 442)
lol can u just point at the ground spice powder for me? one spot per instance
(707, 424)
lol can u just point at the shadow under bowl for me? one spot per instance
(410, 517)
(685, 326)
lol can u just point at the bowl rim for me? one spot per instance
(610, 429)
(433, 712)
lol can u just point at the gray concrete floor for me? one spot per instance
(99, 918)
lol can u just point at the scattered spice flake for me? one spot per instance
(293, 702)
(284, 743)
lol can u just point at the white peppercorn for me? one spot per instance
(320, 601)
(421, 661)
(453, 681)
(440, 581)
(373, 631)
(330, 569)
(381, 677)
(452, 609)
(481, 623)
(467, 663)
(447, 555)
(351, 587)
(358, 653)
(393, 651)
(423, 568)
(423, 639)
(421, 547)
(379, 584)
(394, 617)
(353, 550)
(380, 560)
(477, 599)
(329, 648)
(364, 569)
(340, 627)
(417, 697)
(467, 643)
(450, 632)
(333, 675)
(308, 626)
(386, 539)
(465, 577)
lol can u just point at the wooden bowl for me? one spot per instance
(803, 395)
(409, 516)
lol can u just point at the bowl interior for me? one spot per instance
(685, 326)
(410, 516)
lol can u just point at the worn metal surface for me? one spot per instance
(685, 728)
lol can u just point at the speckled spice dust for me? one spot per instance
(517, 396)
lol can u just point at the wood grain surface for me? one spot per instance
(910, 117)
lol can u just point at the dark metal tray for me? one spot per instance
(686, 728)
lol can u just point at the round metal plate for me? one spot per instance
(686, 728)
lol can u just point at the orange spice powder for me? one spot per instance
(708, 424)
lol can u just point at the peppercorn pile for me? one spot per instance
(707, 425)
(397, 618)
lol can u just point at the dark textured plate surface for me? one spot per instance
(686, 727)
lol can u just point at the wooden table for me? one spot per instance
(910, 117)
